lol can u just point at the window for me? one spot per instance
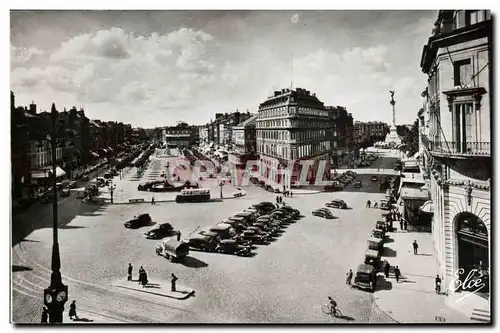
(462, 72)
(463, 127)
(474, 16)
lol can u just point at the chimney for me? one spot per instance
(276, 93)
(32, 108)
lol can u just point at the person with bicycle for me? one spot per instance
(333, 305)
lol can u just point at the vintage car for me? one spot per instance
(254, 211)
(372, 257)
(259, 231)
(323, 212)
(280, 215)
(288, 209)
(375, 243)
(225, 231)
(267, 227)
(357, 184)
(382, 225)
(337, 203)
(385, 205)
(172, 249)
(215, 236)
(374, 179)
(249, 216)
(65, 192)
(365, 277)
(378, 233)
(237, 221)
(254, 237)
(264, 207)
(160, 231)
(202, 243)
(138, 221)
(231, 246)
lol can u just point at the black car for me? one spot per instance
(254, 237)
(160, 231)
(374, 179)
(336, 204)
(202, 243)
(323, 212)
(138, 221)
(231, 246)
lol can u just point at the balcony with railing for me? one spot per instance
(458, 148)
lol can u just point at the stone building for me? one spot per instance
(457, 60)
(294, 125)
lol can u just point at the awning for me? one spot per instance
(427, 207)
(40, 174)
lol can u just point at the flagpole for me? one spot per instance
(291, 74)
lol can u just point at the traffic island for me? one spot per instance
(158, 288)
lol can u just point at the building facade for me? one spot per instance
(344, 153)
(180, 135)
(457, 60)
(293, 125)
(369, 132)
(244, 143)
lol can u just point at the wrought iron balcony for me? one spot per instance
(458, 148)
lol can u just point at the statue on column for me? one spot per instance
(392, 97)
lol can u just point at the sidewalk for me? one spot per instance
(85, 317)
(413, 299)
(157, 287)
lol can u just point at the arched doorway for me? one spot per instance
(473, 249)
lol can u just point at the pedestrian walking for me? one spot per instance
(368, 203)
(438, 284)
(178, 236)
(349, 277)
(387, 269)
(129, 272)
(291, 195)
(397, 273)
(173, 280)
(144, 281)
(141, 274)
(72, 311)
(401, 225)
(415, 247)
(45, 315)
(153, 200)
(405, 224)
(375, 205)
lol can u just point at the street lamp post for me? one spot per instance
(56, 295)
(112, 188)
(221, 183)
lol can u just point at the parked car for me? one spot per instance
(250, 235)
(337, 203)
(374, 179)
(202, 243)
(322, 212)
(65, 192)
(161, 231)
(357, 184)
(138, 221)
(231, 246)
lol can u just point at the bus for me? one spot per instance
(193, 195)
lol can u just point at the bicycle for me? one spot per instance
(328, 310)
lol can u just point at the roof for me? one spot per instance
(250, 121)
(414, 193)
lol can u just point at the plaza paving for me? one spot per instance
(286, 281)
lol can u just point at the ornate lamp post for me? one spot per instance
(56, 295)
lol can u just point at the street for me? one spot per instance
(286, 282)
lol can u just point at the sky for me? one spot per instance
(155, 68)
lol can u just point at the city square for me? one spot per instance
(310, 185)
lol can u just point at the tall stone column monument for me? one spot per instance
(392, 136)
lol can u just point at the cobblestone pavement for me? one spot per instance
(286, 282)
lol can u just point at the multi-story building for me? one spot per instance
(343, 154)
(203, 133)
(220, 131)
(180, 135)
(371, 131)
(293, 125)
(244, 143)
(457, 59)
